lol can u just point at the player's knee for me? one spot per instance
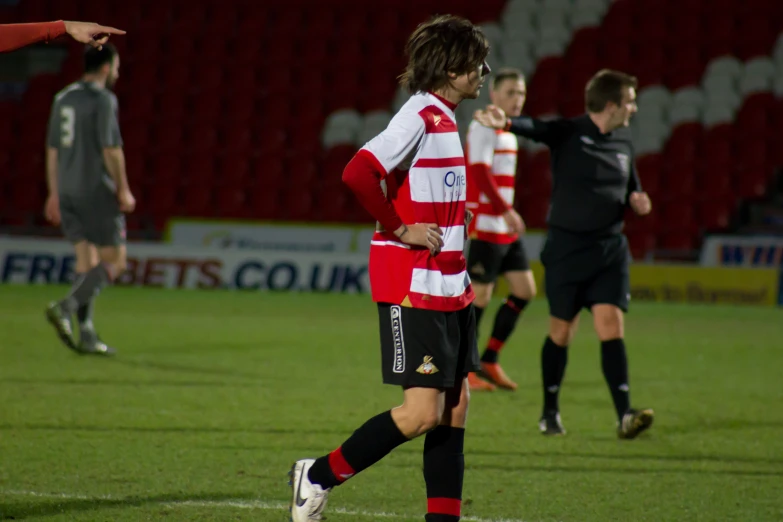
(416, 419)
(524, 288)
(120, 265)
(608, 322)
(609, 329)
(561, 333)
(83, 266)
(426, 420)
(116, 267)
(483, 293)
(560, 338)
(115, 260)
(530, 292)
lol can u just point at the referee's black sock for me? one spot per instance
(375, 439)
(444, 468)
(505, 321)
(615, 365)
(553, 364)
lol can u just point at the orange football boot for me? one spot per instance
(495, 374)
(476, 383)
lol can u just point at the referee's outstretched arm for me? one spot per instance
(547, 132)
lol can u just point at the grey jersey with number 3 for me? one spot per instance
(83, 121)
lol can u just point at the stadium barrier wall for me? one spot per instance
(39, 261)
(692, 284)
(289, 237)
(44, 261)
(747, 251)
(268, 236)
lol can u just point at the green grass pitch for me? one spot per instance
(214, 394)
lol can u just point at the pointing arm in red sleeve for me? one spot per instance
(14, 36)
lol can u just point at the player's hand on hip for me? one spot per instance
(127, 201)
(468, 220)
(468, 216)
(640, 203)
(492, 117)
(514, 221)
(91, 33)
(427, 235)
(52, 209)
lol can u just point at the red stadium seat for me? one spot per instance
(298, 204)
(715, 214)
(641, 244)
(540, 174)
(197, 200)
(679, 241)
(751, 183)
(534, 211)
(676, 215)
(650, 170)
(239, 99)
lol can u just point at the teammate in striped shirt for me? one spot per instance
(495, 247)
(412, 179)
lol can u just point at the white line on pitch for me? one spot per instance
(237, 504)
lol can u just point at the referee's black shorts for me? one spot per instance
(580, 272)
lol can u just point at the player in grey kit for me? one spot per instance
(88, 192)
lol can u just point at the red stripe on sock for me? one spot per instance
(340, 468)
(444, 506)
(510, 304)
(495, 345)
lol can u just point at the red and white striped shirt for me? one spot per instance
(492, 167)
(422, 169)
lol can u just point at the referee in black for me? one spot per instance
(586, 256)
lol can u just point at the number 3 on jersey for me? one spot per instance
(67, 125)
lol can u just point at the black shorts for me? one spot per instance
(486, 261)
(426, 348)
(580, 272)
(96, 218)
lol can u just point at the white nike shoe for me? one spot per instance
(309, 500)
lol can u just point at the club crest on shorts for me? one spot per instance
(427, 368)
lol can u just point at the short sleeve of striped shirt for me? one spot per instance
(480, 144)
(403, 135)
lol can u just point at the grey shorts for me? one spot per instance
(96, 219)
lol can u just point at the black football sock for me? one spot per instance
(375, 439)
(553, 364)
(444, 469)
(615, 366)
(505, 321)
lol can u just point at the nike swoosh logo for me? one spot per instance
(299, 500)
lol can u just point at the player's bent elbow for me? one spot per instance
(112, 153)
(352, 172)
